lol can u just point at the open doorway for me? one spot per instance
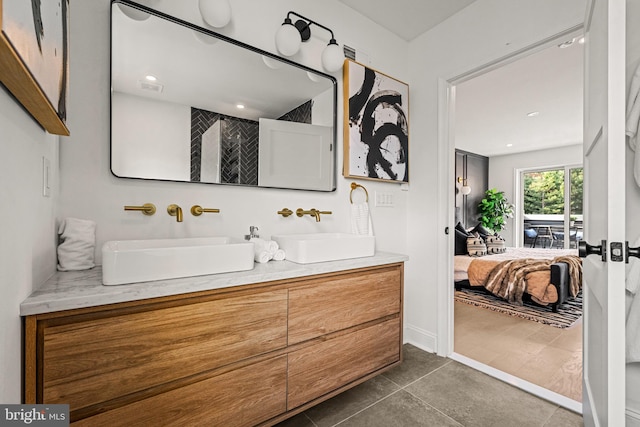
(517, 118)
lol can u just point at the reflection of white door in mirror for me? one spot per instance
(295, 152)
(210, 158)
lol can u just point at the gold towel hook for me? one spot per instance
(353, 187)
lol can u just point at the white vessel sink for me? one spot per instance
(320, 247)
(130, 261)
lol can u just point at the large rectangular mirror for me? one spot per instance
(191, 105)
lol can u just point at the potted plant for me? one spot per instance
(494, 209)
(572, 220)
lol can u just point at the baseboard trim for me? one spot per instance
(534, 389)
(420, 338)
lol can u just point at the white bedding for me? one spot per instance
(461, 262)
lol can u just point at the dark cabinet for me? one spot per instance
(471, 170)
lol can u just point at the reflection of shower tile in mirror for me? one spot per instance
(210, 154)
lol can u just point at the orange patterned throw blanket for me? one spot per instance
(510, 279)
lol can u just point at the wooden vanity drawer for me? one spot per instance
(92, 358)
(244, 397)
(343, 301)
(323, 367)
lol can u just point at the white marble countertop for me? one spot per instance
(81, 289)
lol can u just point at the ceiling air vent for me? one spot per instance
(153, 87)
(349, 52)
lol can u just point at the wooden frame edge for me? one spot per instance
(19, 81)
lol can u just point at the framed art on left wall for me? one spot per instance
(376, 125)
(34, 58)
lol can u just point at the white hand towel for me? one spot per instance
(633, 120)
(361, 219)
(76, 251)
(262, 256)
(279, 255)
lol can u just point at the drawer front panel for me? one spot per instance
(321, 368)
(95, 360)
(343, 301)
(244, 397)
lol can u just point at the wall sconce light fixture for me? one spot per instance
(290, 36)
(216, 13)
(465, 189)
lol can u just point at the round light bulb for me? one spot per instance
(332, 57)
(216, 13)
(288, 39)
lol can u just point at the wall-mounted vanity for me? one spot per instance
(176, 89)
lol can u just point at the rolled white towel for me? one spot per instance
(262, 245)
(76, 252)
(262, 257)
(279, 255)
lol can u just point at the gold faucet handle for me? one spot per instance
(175, 210)
(197, 210)
(325, 212)
(285, 212)
(147, 208)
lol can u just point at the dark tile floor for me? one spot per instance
(427, 390)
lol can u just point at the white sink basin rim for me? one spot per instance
(131, 261)
(321, 247)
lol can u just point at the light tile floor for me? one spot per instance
(427, 390)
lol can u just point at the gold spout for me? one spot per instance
(175, 210)
(313, 212)
(147, 208)
(197, 210)
(285, 212)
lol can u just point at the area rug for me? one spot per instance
(566, 316)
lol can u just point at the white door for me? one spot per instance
(604, 218)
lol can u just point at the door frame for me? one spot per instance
(446, 197)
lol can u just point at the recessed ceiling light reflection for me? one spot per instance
(533, 114)
(240, 106)
(150, 78)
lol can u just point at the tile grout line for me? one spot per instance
(309, 418)
(369, 406)
(436, 409)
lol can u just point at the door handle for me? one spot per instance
(631, 252)
(585, 249)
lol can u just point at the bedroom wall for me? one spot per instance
(503, 170)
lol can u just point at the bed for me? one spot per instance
(546, 276)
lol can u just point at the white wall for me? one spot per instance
(484, 32)
(28, 238)
(88, 190)
(502, 170)
(158, 145)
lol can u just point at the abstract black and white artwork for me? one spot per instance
(376, 128)
(35, 54)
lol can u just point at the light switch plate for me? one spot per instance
(46, 177)
(384, 199)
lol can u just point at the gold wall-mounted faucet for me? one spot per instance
(147, 208)
(197, 210)
(313, 212)
(175, 210)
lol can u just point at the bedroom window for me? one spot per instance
(552, 207)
